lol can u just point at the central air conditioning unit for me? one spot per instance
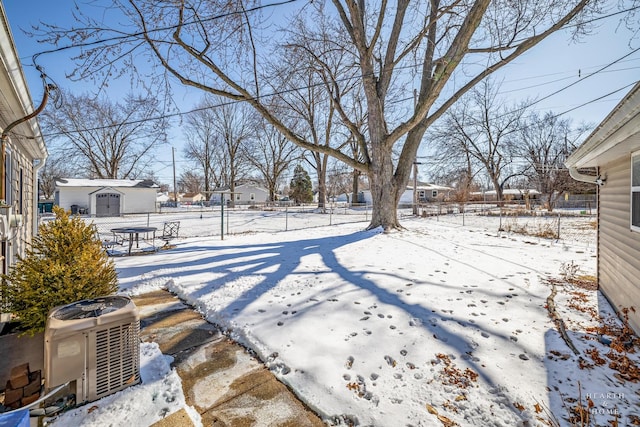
(95, 345)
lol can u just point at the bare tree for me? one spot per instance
(203, 144)
(106, 139)
(546, 142)
(191, 182)
(435, 46)
(55, 167)
(340, 181)
(480, 129)
(271, 154)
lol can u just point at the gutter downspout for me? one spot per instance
(5, 133)
(591, 179)
(36, 170)
(3, 142)
(573, 171)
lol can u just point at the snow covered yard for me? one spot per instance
(435, 325)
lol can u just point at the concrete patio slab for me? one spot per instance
(220, 378)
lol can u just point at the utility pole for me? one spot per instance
(175, 190)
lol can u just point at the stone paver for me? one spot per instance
(221, 380)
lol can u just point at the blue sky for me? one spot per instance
(540, 72)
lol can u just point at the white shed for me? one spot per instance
(106, 197)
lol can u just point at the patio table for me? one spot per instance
(134, 233)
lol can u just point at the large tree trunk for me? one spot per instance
(321, 170)
(354, 186)
(498, 187)
(322, 189)
(384, 192)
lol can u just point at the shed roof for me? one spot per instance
(130, 183)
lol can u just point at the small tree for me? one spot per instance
(300, 186)
(65, 263)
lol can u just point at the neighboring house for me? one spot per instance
(614, 149)
(244, 194)
(106, 197)
(23, 153)
(424, 192)
(191, 198)
(162, 198)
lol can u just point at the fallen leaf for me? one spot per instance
(446, 422)
(432, 410)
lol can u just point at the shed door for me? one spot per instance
(108, 204)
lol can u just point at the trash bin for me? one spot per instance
(74, 209)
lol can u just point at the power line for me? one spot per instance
(281, 92)
(126, 36)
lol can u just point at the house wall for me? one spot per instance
(138, 200)
(619, 247)
(67, 196)
(260, 195)
(22, 197)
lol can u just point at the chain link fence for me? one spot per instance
(576, 225)
(196, 221)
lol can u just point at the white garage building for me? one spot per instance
(106, 197)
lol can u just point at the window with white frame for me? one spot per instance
(434, 193)
(635, 191)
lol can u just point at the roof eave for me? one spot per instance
(599, 147)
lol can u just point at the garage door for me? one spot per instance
(108, 204)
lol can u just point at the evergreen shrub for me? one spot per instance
(65, 263)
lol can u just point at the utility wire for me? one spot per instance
(126, 36)
(282, 92)
(170, 115)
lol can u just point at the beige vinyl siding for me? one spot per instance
(619, 253)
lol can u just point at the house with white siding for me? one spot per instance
(244, 194)
(22, 153)
(613, 149)
(106, 197)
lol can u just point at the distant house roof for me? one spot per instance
(239, 187)
(507, 191)
(427, 186)
(130, 183)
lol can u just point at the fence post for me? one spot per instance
(463, 210)
(221, 216)
(286, 218)
(148, 218)
(558, 225)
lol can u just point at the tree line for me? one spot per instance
(361, 82)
